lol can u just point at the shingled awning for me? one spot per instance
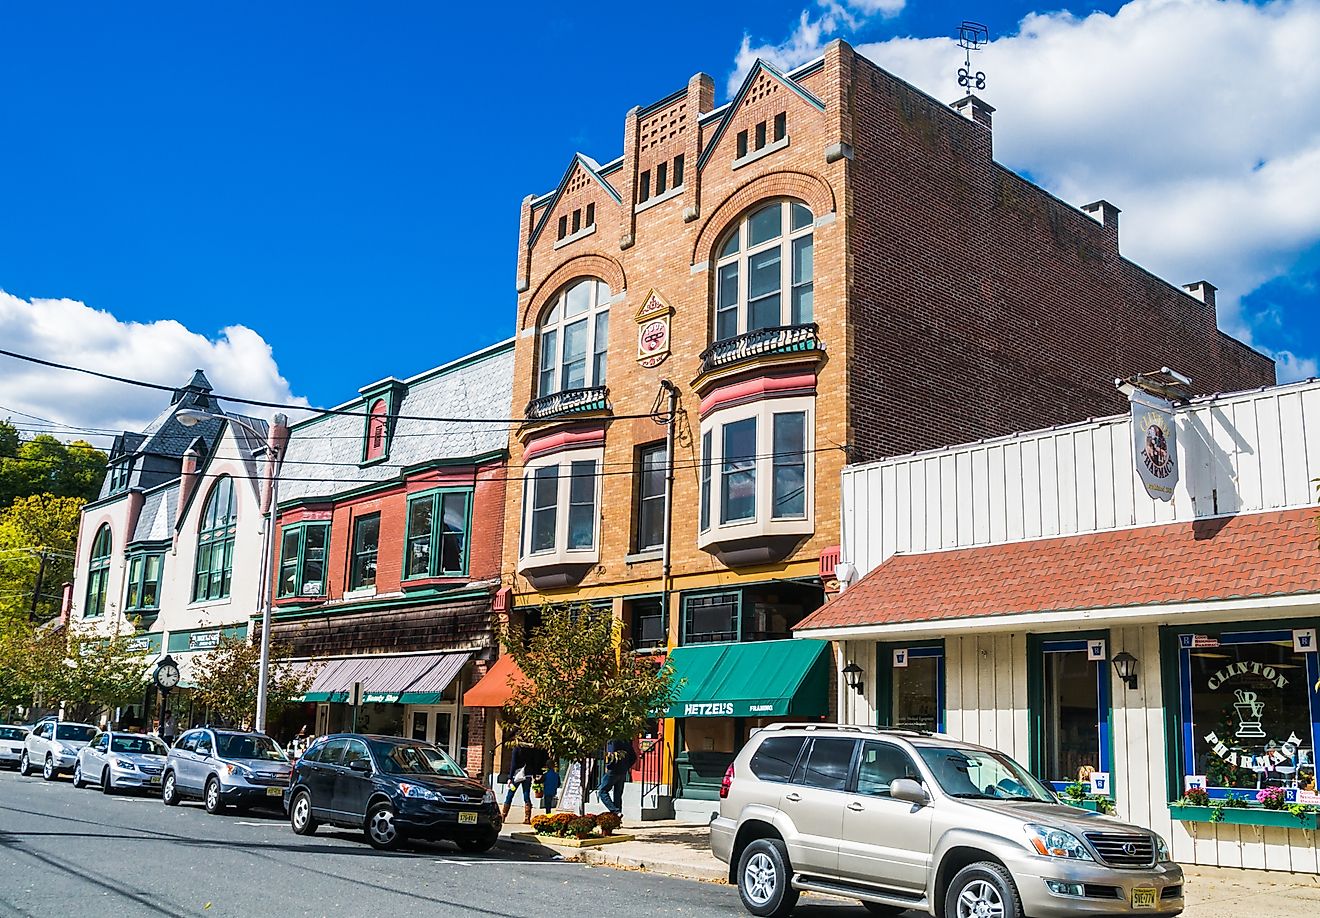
(416, 678)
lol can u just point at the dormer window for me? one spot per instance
(377, 430)
(120, 471)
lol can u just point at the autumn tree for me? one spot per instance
(582, 685)
(45, 465)
(28, 655)
(38, 538)
(226, 680)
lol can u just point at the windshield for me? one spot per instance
(246, 746)
(144, 744)
(12, 733)
(979, 775)
(402, 759)
(75, 732)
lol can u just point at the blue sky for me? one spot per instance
(344, 179)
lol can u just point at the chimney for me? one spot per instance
(276, 443)
(188, 473)
(1106, 215)
(1203, 290)
(974, 108)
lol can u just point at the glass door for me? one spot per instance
(911, 686)
(1071, 711)
(434, 724)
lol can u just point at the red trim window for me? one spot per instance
(376, 429)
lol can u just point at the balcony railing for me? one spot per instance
(569, 401)
(786, 339)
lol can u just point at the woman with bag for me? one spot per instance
(525, 766)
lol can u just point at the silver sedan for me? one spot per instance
(119, 761)
(11, 744)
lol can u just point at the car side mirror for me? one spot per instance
(910, 791)
(362, 766)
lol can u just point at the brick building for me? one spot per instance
(388, 553)
(829, 267)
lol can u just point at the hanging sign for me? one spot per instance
(1099, 781)
(653, 330)
(901, 658)
(1095, 650)
(1155, 444)
(1304, 640)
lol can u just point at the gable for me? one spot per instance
(764, 88)
(581, 185)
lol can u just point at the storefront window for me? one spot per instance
(916, 687)
(1249, 709)
(1074, 712)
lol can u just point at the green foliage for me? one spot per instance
(226, 680)
(44, 465)
(87, 672)
(26, 655)
(31, 526)
(583, 685)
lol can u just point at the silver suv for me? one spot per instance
(225, 767)
(901, 820)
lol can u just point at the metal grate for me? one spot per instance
(569, 401)
(1123, 850)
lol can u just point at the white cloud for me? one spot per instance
(814, 29)
(1199, 118)
(239, 362)
(1290, 367)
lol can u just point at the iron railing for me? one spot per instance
(651, 764)
(569, 401)
(785, 339)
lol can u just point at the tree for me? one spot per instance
(98, 672)
(582, 685)
(27, 657)
(44, 465)
(226, 680)
(38, 537)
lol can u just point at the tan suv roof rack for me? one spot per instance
(852, 728)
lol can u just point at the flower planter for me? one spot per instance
(1089, 805)
(1239, 816)
(591, 841)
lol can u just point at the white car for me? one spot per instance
(53, 746)
(116, 761)
(11, 744)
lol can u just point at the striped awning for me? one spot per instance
(415, 678)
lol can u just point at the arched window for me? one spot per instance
(215, 542)
(98, 573)
(574, 337)
(376, 429)
(763, 277)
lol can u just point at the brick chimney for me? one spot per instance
(979, 112)
(276, 444)
(188, 474)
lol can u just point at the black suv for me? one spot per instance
(392, 789)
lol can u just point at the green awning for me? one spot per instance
(755, 679)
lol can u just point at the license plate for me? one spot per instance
(154, 779)
(467, 819)
(274, 792)
(1144, 897)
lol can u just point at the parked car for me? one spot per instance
(392, 789)
(902, 820)
(223, 768)
(121, 760)
(11, 744)
(53, 747)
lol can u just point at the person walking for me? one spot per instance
(167, 729)
(526, 765)
(619, 760)
(550, 785)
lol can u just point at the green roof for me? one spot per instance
(753, 679)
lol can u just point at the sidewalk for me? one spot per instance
(683, 850)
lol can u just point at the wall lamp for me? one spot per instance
(852, 673)
(1126, 666)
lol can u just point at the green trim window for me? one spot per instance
(432, 550)
(143, 590)
(302, 559)
(119, 474)
(215, 543)
(98, 573)
(366, 546)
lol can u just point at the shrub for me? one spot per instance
(608, 822)
(581, 826)
(1195, 796)
(1272, 798)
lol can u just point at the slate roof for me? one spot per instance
(1248, 556)
(160, 508)
(329, 448)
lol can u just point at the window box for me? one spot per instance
(1239, 816)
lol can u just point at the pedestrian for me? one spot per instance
(168, 732)
(619, 760)
(525, 766)
(550, 785)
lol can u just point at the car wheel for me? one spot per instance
(300, 814)
(764, 879)
(48, 769)
(77, 775)
(24, 766)
(169, 790)
(214, 805)
(477, 844)
(982, 890)
(381, 828)
(876, 908)
(107, 782)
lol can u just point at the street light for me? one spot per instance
(190, 417)
(1125, 665)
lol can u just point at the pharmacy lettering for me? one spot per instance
(1269, 673)
(1155, 444)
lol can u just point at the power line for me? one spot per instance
(280, 405)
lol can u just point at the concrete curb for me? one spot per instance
(713, 872)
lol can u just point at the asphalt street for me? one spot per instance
(77, 852)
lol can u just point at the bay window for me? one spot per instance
(765, 273)
(560, 512)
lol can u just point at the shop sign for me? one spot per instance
(381, 698)
(1096, 650)
(1194, 782)
(138, 645)
(1304, 640)
(900, 658)
(1305, 797)
(1099, 781)
(708, 709)
(204, 640)
(1155, 444)
(1191, 641)
(570, 798)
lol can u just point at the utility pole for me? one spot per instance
(41, 575)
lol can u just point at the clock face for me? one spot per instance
(167, 676)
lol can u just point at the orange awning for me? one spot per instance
(493, 690)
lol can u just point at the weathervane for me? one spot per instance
(972, 36)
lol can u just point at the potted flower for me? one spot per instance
(1272, 798)
(607, 823)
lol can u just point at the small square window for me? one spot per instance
(742, 144)
(781, 125)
